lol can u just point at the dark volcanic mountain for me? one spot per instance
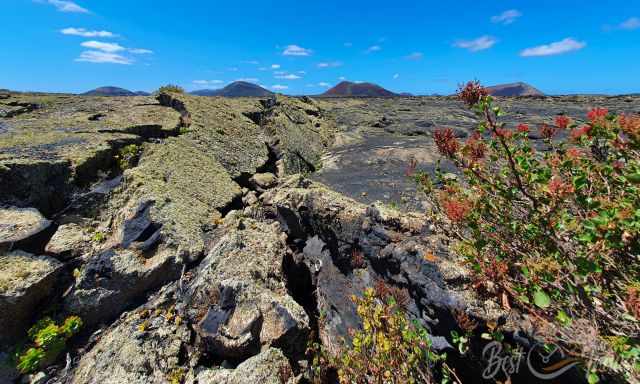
(514, 89)
(347, 88)
(236, 89)
(109, 91)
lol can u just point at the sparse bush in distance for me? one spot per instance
(171, 88)
(553, 226)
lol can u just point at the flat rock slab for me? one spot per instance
(25, 280)
(18, 224)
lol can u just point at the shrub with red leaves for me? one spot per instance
(456, 209)
(472, 92)
(446, 141)
(562, 122)
(547, 131)
(554, 228)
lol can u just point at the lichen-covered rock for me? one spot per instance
(300, 132)
(25, 281)
(145, 346)
(112, 280)
(18, 224)
(220, 126)
(238, 295)
(179, 188)
(268, 367)
(45, 152)
(69, 241)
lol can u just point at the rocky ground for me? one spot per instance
(210, 240)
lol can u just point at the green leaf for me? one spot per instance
(541, 299)
(634, 177)
(592, 378)
(563, 318)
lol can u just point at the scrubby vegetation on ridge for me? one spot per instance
(552, 229)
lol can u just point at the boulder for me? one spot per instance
(145, 346)
(263, 181)
(25, 281)
(18, 224)
(114, 279)
(269, 367)
(69, 241)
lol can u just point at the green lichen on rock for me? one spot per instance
(220, 126)
(187, 185)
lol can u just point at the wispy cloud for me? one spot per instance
(275, 66)
(252, 62)
(342, 78)
(279, 87)
(506, 17)
(289, 76)
(106, 47)
(396, 76)
(86, 33)
(296, 50)
(209, 83)
(415, 56)
(140, 51)
(555, 48)
(332, 64)
(324, 84)
(65, 6)
(373, 48)
(103, 57)
(630, 24)
(476, 45)
(248, 79)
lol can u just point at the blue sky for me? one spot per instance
(303, 47)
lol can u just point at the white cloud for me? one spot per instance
(140, 51)
(323, 84)
(506, 17)
(280, 72)
(342, 78)
(215, 83)
(630, 24)
(479, 44)
(107, 47)
(252, 62)
(290, 76)
(556, 48)
(86, 33)
(415, 56)
(263, 69)
(275, 66)
(332, 64)
(373, 48)
(279, 87)
(248, 80)
(295, 50)
(66, 6)
(103, 57)
(397, 75)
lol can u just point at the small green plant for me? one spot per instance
(171, 88)
(388, 349)
(48, 340)
(127, 156)
(99, 237)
